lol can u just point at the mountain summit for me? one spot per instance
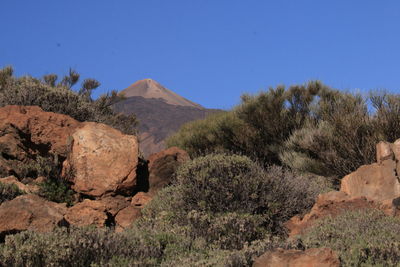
(149, 88)
(160, 112)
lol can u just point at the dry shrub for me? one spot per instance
(61, 98)
(361, 238)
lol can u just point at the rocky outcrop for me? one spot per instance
(330, 204)
(371, 186)
(96, 212)
(29, 131)
(102, 160)
(99, 163)
(314, 257)
(162, 166)
(378, 181)
(30, 212)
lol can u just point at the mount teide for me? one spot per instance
(160, 112)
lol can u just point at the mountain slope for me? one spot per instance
(160, 112)
(149, 88)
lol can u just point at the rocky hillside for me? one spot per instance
(160, 112)
(102, 182)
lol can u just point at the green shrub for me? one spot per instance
(57, 190)
(361, 238)
(60, 98)
(231, 183)
(9, 191)
(218, 132)
(228, 191)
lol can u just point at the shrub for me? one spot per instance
(258, 127)
(218, 132)
(60, 98)
(343, 135)
(57, 190)
(361, 238)
(9, 191)
(222, 188)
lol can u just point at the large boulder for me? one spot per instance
(376, 181)
(102, 160)
(162, 166)
(30, 212)
(314, 257)
(27, 131)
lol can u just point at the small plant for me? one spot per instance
(9, 191)
(57, 190)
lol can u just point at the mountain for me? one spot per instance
(160, 112)
(149, 88)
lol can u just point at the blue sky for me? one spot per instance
(209, 51)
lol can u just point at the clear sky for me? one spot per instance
(209, 51)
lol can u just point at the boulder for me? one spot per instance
(378, 181)
(87, 212)
(30, 212)
(96, 212)
(102, 160)
(26, 132)
(313, 257)
(141, 199)
(40, 131)
(162, 166)
(126, 217)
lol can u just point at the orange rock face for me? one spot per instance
(314, 257)
(103, 160)
(45, 130)
(376, 181)
(30, 212)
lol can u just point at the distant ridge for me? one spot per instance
(149, 88)
(160, 112)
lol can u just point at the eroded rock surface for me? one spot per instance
(102, 160)
(30, 212)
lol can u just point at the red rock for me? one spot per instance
(30, 212)
(46, 130)
(162, 166)
(314, 257)
(376, 181)
(141, 199)
(86, 213)
(126, 217)
(330, 204)
(95, 212)
(103, 160)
